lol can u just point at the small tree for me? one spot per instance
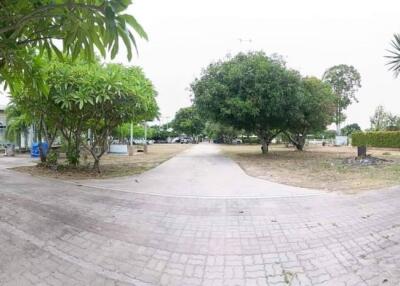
(188, 121)
(220, 132)
(99, 99)
(314, 111)
(350, 129)
(383, 120)
(86, 97)
(345, 81)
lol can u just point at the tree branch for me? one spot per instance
(41, 12)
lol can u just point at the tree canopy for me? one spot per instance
(350, 129)
(187, 121)
(84, 97)
(383, 120)
(61, 27)
(220, 133)
(315, 110)
(250, 91)
(345, 80)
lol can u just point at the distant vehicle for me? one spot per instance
(142, 142)
(176, 140)
(185, 141)
(237, 141)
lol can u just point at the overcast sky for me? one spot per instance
(312, 35)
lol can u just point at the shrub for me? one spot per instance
(251, 140)
(383, 139)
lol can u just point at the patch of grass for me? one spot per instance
(317, 167)
(111, 165)
(288, 276)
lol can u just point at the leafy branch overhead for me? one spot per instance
(69, 27)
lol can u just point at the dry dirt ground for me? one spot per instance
(112, 165)
(318, 167)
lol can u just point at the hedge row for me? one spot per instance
(383, 139)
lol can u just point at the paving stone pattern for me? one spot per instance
(54, 233)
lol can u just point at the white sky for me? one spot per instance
(312, 35)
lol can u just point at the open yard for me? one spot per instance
(318, 167)
(112, 165)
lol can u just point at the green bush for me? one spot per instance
(383, 139)
(250, 140)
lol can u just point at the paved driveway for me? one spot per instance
(195, 220)
(200, 172)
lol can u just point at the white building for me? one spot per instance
(2, 123)
(3, 103)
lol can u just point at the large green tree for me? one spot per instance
(188, 121)
(100, 98)
(345, 80)
(70, 26)
(86, 102)
(251, 92)
(315, 111)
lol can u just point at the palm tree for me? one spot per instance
(394, 56)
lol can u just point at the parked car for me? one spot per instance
(237, 141)
(185, 141)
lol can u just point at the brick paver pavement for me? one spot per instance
(54, 233)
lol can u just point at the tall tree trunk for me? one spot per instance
(96, 164)
(264, 145)
(299, 146)
(41, 150)
(298, 140)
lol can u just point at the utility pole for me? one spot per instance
(145, 137)
(131, 139)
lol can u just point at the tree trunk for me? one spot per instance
(299, 147)
(264, 146)
(300, 142)
(96, 164)
(19, 141)
(41, 152)
(26, 139)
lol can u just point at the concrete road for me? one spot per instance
(206, 223)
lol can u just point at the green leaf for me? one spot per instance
(125, 37)
(135, 25)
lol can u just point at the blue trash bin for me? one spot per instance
(35, 151)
